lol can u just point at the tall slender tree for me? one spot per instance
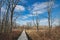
(37, 21)
(1, 4)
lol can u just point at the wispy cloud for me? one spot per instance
(38, 8)
(44, 22)
(23, 1)
(56, 22)
(24, 17)
(23, 22)
(19, 8)
(3, 9)
(41, 8)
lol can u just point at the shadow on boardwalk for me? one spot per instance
(29, 38)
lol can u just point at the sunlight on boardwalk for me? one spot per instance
(23, 36)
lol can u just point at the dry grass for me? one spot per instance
(10, 36)
(44, 34)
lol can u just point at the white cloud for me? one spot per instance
(27, 16)
(44, 22)
(56, 6)
(56, 22)
(30, 15)
(23, 1)
(23, 22)
(37, 8)
(40, 8)
(19, 8)
(39, 12)
(3, 9)
(24, 17)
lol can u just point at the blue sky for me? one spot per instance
(26, 8)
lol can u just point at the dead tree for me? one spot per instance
(1, 4)
(37, 21)
(7, 20)
(50, 14)
(13, 5)
(0, 14)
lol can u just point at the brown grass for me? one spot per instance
(10, 36)
(44, 34)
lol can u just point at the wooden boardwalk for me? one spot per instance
(23, 36)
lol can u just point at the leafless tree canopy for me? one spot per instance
(6, 18)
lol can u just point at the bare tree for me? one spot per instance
(1, 4)
(33, 21)
(50, 16)
(49, 13)
(13, 5)
(37, 21)
(7, 19)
